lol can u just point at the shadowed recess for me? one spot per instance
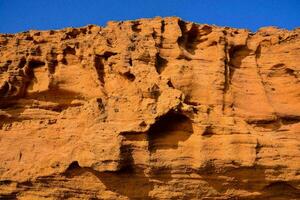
(134, 183)
(169, 130)
(189, 39)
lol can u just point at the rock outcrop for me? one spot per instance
(150, 109)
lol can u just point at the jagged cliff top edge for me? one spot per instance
(261, 29)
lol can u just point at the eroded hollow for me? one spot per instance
(160, 63)
(168, 131)
(129, 76)
(74, 165)
(4, 88)
(280, 190)
(99, 66)
(236, 55)
(135, 27)
(70, 57)
(22, 62)
(35, 64)
(189, 38)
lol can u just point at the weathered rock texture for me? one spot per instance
(150, 109)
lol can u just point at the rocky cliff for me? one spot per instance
(150, 109)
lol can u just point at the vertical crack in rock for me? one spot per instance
(22, 62)
(258, 148)
(160, 63)
(226, 72)
(4, 88)
(235, 54)
(52, 61)
(99, 65)
(163, 24)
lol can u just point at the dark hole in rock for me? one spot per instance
(205, 30)
(170, 84)
(208, 131)
(100, 103)
(155, 92)
(26, 184)
(108, 54)
(8, 62)
(64, 61)
(189, 38)
(181, 39)
(99, 65)
(214, 43)
(4, 89)
(9, 196)
(129, 76)
(163, 24)
(192, 34)
(154, 34)
(109, 42)
(73, 165)
(130, 61)
(273, 124)
(289, 71)
(5, 182)
(135, 27)
(22, 62)
(35, 64)
(278, 66)
(169, 130)
(28, 38)
(287, 120)
(143, 124)
(71, 34)
(69, 50)
(52, 65)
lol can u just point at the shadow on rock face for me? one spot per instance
(131, 180)
(60, 96)
(162, 174)
(128, 182)
(280, 190)
(168, 131)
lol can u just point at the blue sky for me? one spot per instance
(22, 15)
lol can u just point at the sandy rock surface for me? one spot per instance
(150, 109)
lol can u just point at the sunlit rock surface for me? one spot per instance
(150, 109)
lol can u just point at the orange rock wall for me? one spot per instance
(150, 109)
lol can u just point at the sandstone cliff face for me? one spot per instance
(150, 109)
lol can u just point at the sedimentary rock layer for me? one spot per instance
(150, 109)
